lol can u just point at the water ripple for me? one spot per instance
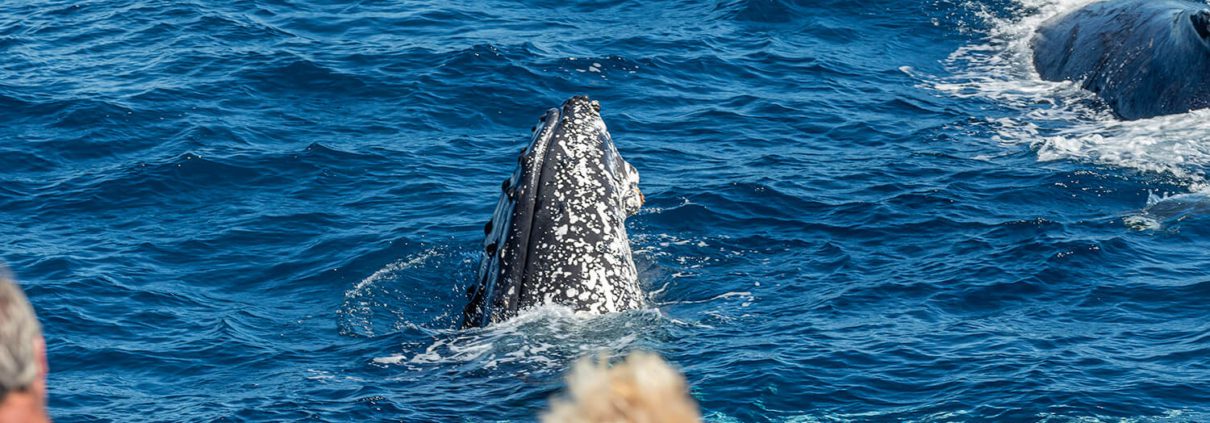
(271, 211)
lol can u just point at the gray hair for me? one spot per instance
(20, 364)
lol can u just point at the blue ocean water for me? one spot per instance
(856, 211)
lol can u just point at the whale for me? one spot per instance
(558, 234)
(1143, 58)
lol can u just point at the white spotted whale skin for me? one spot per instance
(558, 235)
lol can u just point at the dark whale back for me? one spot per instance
(1144, 58)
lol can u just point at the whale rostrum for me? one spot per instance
(558, 234)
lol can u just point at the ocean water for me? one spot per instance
(856, 211)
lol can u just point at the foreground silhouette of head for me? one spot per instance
(22, 357)
(642, 389)
(558, 235)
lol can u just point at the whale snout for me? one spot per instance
(558, 235)
(580, 111)
(583, 116)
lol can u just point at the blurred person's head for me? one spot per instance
(22, 357)
(642, 389)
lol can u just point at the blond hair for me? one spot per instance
(642, 389)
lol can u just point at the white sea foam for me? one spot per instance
(389, 271)
(376, 304)
(1059, 120)
(543, 338)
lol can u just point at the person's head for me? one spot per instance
(642, 389)
(22, 357)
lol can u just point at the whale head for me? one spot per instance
(558, 234)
